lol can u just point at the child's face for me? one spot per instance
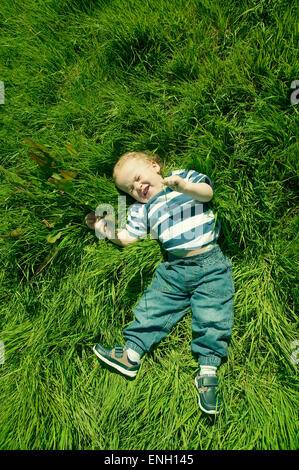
(140, 178)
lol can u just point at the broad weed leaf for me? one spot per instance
(53, 238)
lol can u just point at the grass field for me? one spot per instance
(206, 85)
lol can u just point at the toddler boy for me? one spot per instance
(196, 276)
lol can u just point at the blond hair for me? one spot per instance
(145, 155)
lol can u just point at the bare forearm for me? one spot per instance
(105, 229)
(199, 191)
(118, 240)
(122, 238)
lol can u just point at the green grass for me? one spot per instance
(205, 84)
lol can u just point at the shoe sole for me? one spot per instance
(129, 373)
(209, 412)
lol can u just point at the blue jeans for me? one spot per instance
(202, 283)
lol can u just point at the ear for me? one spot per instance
(155, 166)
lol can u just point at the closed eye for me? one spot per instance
(137, 178)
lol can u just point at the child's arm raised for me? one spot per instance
(199, 191)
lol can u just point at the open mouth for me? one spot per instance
(145, 191)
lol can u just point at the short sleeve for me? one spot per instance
(137, 221)
(193, 177)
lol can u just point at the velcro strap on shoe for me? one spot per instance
(209, 381)
(119, 350)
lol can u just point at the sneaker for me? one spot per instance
(209, 400)
(117, 357)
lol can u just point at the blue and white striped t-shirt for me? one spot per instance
(175, 219)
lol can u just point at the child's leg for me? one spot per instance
(162, 305)
(212, 305)
(212, 320)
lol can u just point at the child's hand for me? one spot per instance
(91, 219)
(101, 229)
(98, 224)
(175, 182)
